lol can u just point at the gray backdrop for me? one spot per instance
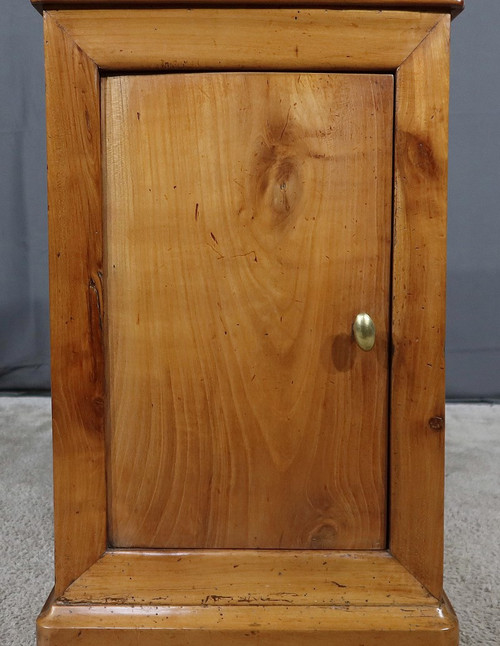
(473, 348)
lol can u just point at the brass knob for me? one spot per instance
(363, 329)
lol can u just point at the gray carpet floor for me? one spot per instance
(472, 563)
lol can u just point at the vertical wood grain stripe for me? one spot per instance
(75, 256)
(418, 396)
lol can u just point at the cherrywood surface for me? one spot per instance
(248, 577)
(450, 5)
(248, 222)
(416, 455)
(268, 39)
(418, 310)
(86, 625)
(75, 257)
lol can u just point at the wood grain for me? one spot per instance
(248, 577)
(418, 313)
(210, 39)
(240, 626)
(75, 258)
(453, 6)
(248, 222)
(76, 315)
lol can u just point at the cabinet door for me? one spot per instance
(248, 222)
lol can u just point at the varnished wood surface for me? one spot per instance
(75, 259)
(239, 626)
(454, 6)
(210, 39)
(418, 312)
(248, 222)
(248, 577)
(416, 456)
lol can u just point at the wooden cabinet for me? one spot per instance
(229, 188)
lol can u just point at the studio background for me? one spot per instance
(473, 295)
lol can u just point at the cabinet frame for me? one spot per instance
(83, 44)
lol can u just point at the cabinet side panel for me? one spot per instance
(75, 257)
(248, 221)
(418, 325)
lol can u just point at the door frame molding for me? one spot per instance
(83, 44)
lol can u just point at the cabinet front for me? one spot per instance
(247, 224)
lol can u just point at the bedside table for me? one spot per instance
(247, 222)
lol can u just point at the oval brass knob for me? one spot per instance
(364, 331)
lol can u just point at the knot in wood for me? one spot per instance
(436, 423)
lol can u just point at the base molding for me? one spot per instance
(242, 597)
(64, 625)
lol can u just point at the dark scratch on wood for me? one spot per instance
(215, 598)
(248, 253)
(220, 256)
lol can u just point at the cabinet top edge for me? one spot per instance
(452, 6)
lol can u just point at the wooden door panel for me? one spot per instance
(248, 221)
